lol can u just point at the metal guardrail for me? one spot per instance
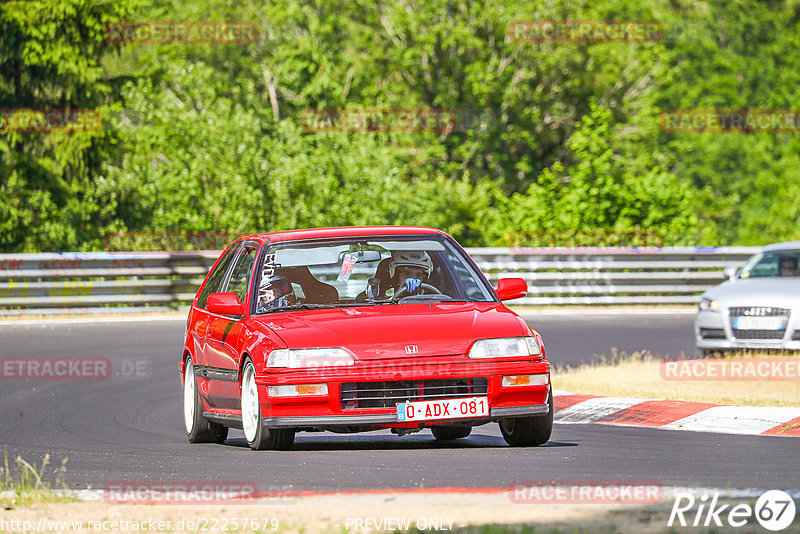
(611, 275)
(100, 282)
(114, 282)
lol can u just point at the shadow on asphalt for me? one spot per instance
(312, 443)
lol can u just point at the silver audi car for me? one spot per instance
(759, 307)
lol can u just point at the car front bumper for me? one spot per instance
(328, 412)
(713, 331)
(391, 419)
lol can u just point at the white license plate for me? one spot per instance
(759, 323)
(443, 409)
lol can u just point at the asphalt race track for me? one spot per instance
(575, 337)
(129, 426)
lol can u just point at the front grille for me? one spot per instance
(712, 333)
(758, 334)
(758, 311)
(387, 394)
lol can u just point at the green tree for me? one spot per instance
(564, 136)
(600, 189)
(50, 53)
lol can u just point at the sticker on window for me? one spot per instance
(348, 262)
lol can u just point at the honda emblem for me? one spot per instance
(412, 349)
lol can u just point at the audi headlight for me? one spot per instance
(294, 358)
(505, 346)
(707, 304)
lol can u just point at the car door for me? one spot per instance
(223, 345)
(202, 319)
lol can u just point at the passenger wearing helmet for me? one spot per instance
(409, 269)
(275, 292)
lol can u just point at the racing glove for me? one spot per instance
(412, 284)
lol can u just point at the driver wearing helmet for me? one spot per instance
(409, 269)
(787, 266)
(275, 292)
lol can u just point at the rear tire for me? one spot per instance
(528, 431)
(446, 433)
(198, 428)
(258, 437)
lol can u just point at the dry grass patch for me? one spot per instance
(640, 375)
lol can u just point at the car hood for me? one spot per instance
(779, 292)
(383, 332)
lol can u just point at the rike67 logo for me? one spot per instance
(774, 510)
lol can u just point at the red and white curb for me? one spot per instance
(676, 415)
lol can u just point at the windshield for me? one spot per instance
(367, 271)
(773, 263)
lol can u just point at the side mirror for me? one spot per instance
(731, 271)
(224, 304)
(511, 288)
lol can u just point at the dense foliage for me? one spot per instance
(551, 138)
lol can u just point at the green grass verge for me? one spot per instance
(24, 483)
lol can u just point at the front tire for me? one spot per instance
(528, 431)
(258, 437)
(447, 433)
(198, 428)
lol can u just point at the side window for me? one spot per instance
(242, 269)
(216, 278)
(767, 267)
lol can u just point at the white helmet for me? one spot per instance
(410, 258)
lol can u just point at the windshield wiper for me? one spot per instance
(365, 303)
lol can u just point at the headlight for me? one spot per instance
(294, 358)
(505, 346)
(707, 304)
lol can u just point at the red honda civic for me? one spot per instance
(359, 329)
